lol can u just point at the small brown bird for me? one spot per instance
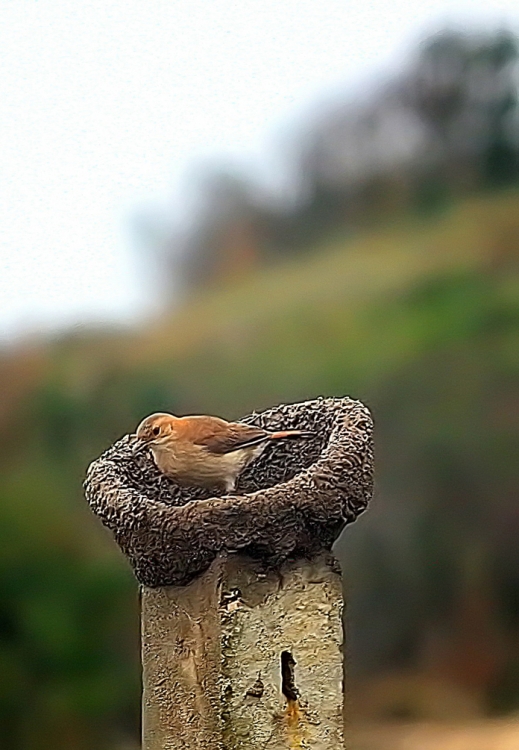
(205, 451)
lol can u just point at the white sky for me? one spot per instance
(104, 105)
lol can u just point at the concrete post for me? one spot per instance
(245, 659)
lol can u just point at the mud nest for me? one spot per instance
(294, 501)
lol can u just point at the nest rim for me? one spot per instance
(167, 543)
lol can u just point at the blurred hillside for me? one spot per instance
(444, 126)
(420, 320)
(399, 286)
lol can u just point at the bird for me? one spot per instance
(204, 451)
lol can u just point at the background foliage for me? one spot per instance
(390, 274)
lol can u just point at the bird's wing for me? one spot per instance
(218, 436)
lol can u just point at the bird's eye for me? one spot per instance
(156, 430)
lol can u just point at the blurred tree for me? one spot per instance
(224, 240)
(464, 89)
(446, 125)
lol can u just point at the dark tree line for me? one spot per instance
(445, 126)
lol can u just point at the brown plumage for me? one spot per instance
(205, 451)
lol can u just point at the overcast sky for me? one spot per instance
(104, 105)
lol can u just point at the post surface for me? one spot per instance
(180, 655)
(245, 658)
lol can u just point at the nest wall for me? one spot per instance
(293, 501)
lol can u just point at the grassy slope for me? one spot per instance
(283, 331)
(327, 322)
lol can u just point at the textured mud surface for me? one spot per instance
(292, 502)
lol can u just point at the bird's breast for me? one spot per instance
(196, 466)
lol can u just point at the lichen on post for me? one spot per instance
(241, 599)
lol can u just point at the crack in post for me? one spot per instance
(288, 685)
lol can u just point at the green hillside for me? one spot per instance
(348, 316)
(419, 319)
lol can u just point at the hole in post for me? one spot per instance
(288, 685)
(256, 690)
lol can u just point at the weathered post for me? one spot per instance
(241, 598)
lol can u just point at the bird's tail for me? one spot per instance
(288, 434)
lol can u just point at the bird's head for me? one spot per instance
(155, 430)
